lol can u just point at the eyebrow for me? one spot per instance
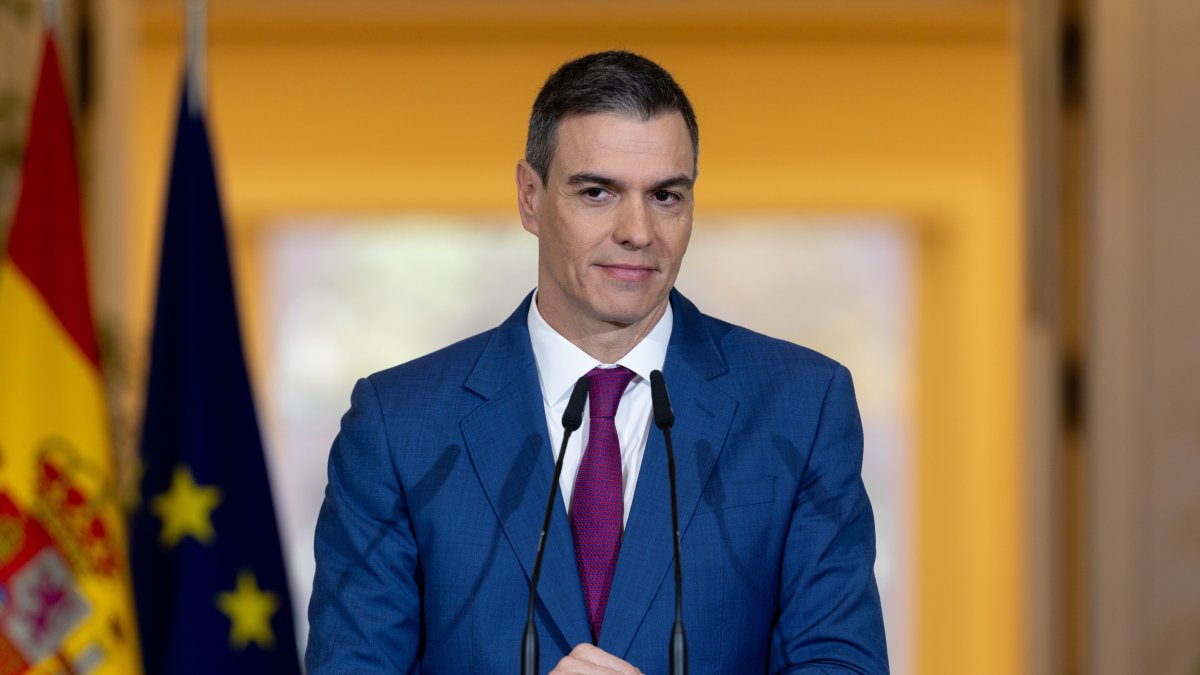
(674, 181)
(680, 180)
(581, 178)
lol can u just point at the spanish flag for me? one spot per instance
(65, 600)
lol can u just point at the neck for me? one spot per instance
(605, 342)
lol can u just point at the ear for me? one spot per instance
(530, 192)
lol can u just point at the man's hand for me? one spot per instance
(588, 659)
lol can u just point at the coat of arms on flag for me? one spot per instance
(40, 600)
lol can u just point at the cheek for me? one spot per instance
(677, 236)
(581, 237)
(564, 250)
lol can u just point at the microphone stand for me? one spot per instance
(572, 419)
(664, 419)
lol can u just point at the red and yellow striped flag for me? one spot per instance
(65, 601)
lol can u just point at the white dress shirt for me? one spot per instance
(560, 363)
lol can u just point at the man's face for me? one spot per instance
(612, 221)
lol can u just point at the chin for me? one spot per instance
(624, 314)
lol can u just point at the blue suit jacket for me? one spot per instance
(438, 484)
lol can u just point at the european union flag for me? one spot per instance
(211, 592)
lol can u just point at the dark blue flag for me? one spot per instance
(211, 592)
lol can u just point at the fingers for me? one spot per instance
(588, 659)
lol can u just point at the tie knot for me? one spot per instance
(604, 393)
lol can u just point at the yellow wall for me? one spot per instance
(911, 113)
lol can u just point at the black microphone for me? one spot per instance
(571, 420)
(664, 418)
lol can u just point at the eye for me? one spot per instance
(665, 197)
(595, 193)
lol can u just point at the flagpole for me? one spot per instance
(197, 55)
(52, 17)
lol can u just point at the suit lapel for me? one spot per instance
(703, 415)
(509, 447)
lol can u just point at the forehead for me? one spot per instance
(612, 142)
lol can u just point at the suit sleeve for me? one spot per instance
(830, 619)
(365, 612)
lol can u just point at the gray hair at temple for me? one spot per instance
(605, 82)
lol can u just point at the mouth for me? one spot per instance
(627, 272)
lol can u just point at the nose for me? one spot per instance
(635, 225)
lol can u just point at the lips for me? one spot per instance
(626, 272)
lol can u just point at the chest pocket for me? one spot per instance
(719, 495)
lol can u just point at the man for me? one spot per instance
(438, 479)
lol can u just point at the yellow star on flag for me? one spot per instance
(186, 509)
(249, 609)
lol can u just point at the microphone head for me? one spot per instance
(664, 417)
(573, 415)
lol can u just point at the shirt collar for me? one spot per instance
(560, 363)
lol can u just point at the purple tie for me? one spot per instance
(597, 502)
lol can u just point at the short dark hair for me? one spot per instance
(604, 82)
